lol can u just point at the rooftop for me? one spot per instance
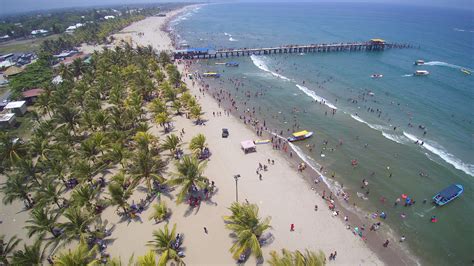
(6, 117)
(17, 104)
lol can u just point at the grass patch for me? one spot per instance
(30, 45)
(25, 128)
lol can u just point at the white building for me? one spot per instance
(109, 17)
(7, 120)
(39, 32)
(17, 107)
(72, 28)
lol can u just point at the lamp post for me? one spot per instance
(236, 177)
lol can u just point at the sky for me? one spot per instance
(16, 6)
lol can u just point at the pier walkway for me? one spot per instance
(208, 53)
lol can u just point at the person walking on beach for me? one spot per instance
(205, 230)
(334, 256)
(292, 227)
(386, 243)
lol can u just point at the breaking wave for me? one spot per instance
(376, 127)
(259, 62)
(439, 150)
(315, 97)
(232, 39)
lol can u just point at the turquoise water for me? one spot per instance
(368, 109)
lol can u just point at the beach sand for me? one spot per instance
(283, 194)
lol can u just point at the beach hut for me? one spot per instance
(7, 120)
(12, 71)
(248, 146)
(30, 95)
(17, 107)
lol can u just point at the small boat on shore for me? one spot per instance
(220, 63)
(419, 62)
(465, 71)
(376, 76)
(448, 194)
(211, 75)
(300, 135)
(421, 73)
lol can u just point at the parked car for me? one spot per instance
(225, 132)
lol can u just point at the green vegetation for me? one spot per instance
(90, 123)
(247, 228)
(297, 258)
(23, 46)
(36, 75)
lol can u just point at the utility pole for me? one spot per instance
(236, 177)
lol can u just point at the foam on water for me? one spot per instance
(315, 97)
(232, 39)
(396, 138)
(439, 63)
(259, 61)
(376, 127)
(439, 150)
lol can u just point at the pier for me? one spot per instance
(208, 53)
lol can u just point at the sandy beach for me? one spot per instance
(283, 193)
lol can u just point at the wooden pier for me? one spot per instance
(207, 53)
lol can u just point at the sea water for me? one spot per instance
(377, 121)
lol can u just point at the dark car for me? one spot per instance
(225, 132)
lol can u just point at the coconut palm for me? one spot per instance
(119, 195)
(118, 153)
(297, 258)
(30, 255)
(12, 149)
(50, 192)
(157, 106)
(160, 212)
(171, 143)
(82, 255)
(147, 166)
(42, 221)
(163, 244)
(198, 143)
(188, 176)
(15, 188)
(163, 119)
(196, 112)
(247, 227)
(77, 224)
(7, 247)
(84, 195)
(149, 259)
(67, 115)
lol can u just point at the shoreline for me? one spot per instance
(392, 256)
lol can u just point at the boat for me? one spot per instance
(419, 62)
(448, 194)
(421, 73)
(232, 64)
(376, 76)
(211, 75)
(220, 63)
(465, 71)
(300, 135)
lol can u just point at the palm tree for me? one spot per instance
(82, 255)
(11, 149)
(163, 120)
(15, 188)
(160, 212)
(84, 195)
(309, 258)
(198, 143)
(171, 143)
(30, 255)
(163, 244)
(6, 248)
(196, 112)
(149, 259)
(119, 195)
(118, 153)
(177, 105)
(49, 192)
(41, 222)
(77, 224)
(157, 106)
(188, 176)
(247, 227)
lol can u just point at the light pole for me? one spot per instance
(236, 177)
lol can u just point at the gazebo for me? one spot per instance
(248, 146)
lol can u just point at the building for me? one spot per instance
(12, 71)
(72, 28)
(109, 17)
(30, 95)
(39, 32)
(7, 120)
(17, 107)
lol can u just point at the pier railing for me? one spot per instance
(287, 49)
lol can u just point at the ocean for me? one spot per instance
(378, 121)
